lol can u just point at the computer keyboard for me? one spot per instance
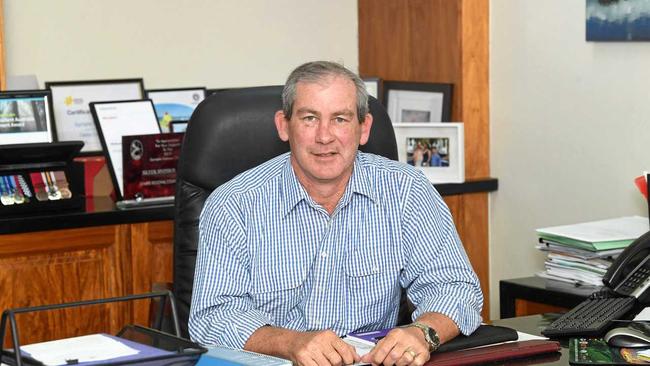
(590, 318)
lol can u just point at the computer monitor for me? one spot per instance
(25, 117)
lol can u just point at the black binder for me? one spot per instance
(484, 335)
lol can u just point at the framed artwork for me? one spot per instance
(115, 119)
(614, 20)
(70, 108)
(418, 102)
(175, 104)
(373, 86)
(25, 117)
(438, 149)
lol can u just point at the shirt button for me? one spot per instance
(323, 254)
(375, 269)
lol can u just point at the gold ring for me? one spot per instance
(411, 352)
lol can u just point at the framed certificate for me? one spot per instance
(175, 104)
(71, 112)
(122, 118)
(25, 117)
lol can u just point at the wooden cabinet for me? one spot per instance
(441, 41)
(49, 267)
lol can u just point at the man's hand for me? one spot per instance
(322, 348)
(401, 346)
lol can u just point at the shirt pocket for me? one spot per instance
(278, 292)
(372, 285)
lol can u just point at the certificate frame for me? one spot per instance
(25, 117)
(449, 140)
(112, 129)
(175, 104)
(70, 109)
(410, 102)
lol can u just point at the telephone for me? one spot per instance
(627, 286)
(629, 275)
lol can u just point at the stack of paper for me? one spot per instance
(582, 253)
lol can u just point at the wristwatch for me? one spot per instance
(430, 334)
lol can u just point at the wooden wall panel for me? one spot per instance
(474, 87)
(61, 266)
(83, 264)
(444, 41)
(151, 259)
(470, 217)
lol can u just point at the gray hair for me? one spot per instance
(313, 72)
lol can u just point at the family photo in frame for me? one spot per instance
(435, 148)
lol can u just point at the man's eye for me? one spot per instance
(340, 119)
(309, 118)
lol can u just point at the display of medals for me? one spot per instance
(6, 195)
(53, 192)
(62, 183)
(14, 190)
(50, 185)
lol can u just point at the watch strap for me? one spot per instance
(430, 334)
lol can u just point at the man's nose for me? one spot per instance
(323, 133)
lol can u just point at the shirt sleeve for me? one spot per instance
(437, 273)
(222, 311)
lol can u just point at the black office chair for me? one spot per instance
(230, 132)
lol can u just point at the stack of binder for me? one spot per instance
(582, 253)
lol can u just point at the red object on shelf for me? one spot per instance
(642, 185)
(97, 180)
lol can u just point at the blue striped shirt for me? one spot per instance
(270, 255)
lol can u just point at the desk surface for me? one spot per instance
(98, 211)
(540, 290)
(534, 324)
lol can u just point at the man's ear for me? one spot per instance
(282, 125)
(365, 129)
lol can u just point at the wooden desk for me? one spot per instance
(535, 295)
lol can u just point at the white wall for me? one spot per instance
(171, 43)
(569, 127)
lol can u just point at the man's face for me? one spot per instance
(324, 131)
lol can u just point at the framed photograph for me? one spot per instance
(115, 119)
(373, 86)
(617, 21)
(438, 149)
(25, 117)
(418, 102)
(175, 104)
(70, 108)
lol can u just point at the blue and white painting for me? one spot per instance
(618, 20)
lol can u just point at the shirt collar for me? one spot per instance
(294, 192)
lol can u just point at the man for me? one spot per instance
(318, 242)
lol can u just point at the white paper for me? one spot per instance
(644, 315)
(521, 336)
(621, 228)
(94, 347)
(361, 345)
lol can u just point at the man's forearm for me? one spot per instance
(271, 341)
